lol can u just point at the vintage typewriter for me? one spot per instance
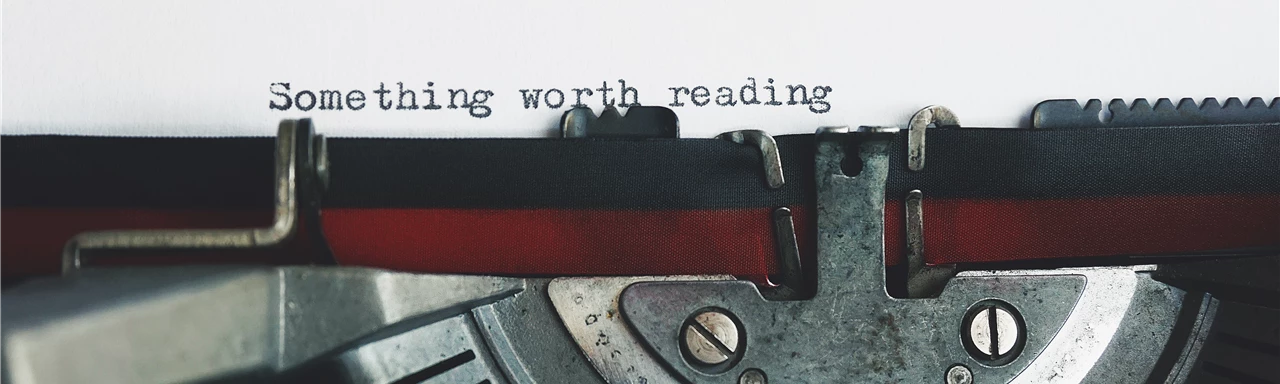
(1139, 247)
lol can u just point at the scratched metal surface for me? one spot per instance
(852, 331)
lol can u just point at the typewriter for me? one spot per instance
(1142, 246)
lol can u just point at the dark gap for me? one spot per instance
(1252, 345)
(437, 368)
(1183, 329)
(1224, 292)
(1232, 374)
(895, 279)
(993, 331)
(851, 164)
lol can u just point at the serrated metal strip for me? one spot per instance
(1069, 114)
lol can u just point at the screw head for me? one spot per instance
(993, 332)
(959, 374)
(711, 338)
(753, 376)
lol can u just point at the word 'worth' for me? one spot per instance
(476, 101)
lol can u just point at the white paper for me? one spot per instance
(198, 68)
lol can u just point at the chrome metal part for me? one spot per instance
(1069, 114)
(575, 121)
(997, 339)
(639, 122)
(769, 155)
(852, 331)
(992, 332)
(504, 349)
(753, 376)
(878, 128)
(915, 230)
(790, 270)
(711, 337)
(452, 346)
(322, 160)
(588, 307)
(959, 374)
(1120, 318)
(281, 229)
(530, 342)
(922, 280)
(182, 324)
(832, 129)
(936, 115)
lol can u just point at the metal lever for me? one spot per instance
(768, 152)
(281, 229)
(790, 276)
(937, 115)
(922, 280)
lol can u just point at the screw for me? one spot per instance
(993, 332)
(998, 340)
(711, 337)
(959, 375)
(753, 376)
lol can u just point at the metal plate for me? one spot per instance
(451, 346)
(1069, 114)
(528, 341)
(852, 331)
(588, 307)
(135, 325)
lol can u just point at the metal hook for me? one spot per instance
(281, 229)
(937, 115)
(768, 152)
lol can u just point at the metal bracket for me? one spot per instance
(768, 152)
(922, 280)
(1069, 114)
(241, 323)
(640, 122)
(282, 228)
(589, 309)
(790, 275)
(791, 278)
(853, 331)
(937, 115)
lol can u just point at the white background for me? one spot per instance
(204, 67)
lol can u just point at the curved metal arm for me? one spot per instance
(768, 152)
(937, 115)
(281, 229)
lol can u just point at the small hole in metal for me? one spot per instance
(851, 165)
